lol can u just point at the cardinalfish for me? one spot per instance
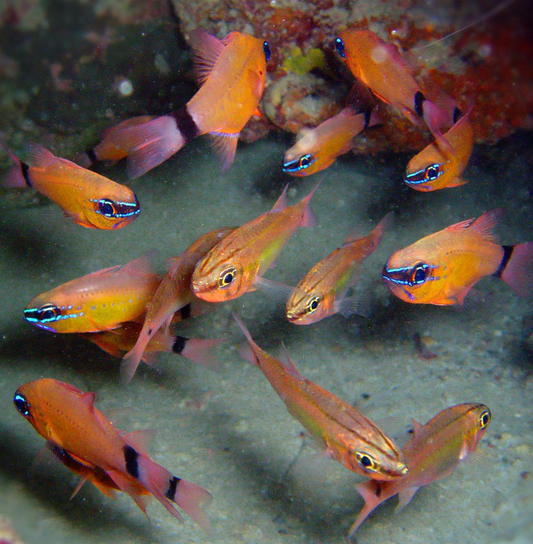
(434, 169)
(318, 148)
(345, 433)
(434, 452)
(236, 265)
(173, 293)
(88, 443)
(443, 267)
(112, 149)
(322, 291)
(232, 75)
(118, 341)
(90, 199)
(382, 69)
(97, 302)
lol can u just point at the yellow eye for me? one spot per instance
(366, 461)
(312, 305)
(227, 277)
(484, 418)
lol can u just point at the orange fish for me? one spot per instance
(94, 474)
(232, 75)
(97, 302)
(433, 169)
(433, 453)
(345, 433)
(90, 199)
(321, 292)
(67, 418)
(318, 148)
(173, 293)
(382, 69)
(443, 267)
(236, 264)
(118, 341)
(111, 148)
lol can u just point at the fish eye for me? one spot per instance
(484, 419)
(306, 161)
(366, 461)
(419, 274)
(339, 46)
(266, 51)
(107, 207)
(22, 404)
(44, 314)
(312, 305)
(432, 172)
(227, 277)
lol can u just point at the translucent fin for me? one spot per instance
(225, 146)
(518, 274)
(150, 144)
(486, 223)
(206, 51)
(281, 202)
(139, 440)
(368, 490)
(405, 498)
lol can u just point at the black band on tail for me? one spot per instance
(185, 124)
(419, 101)
(92, 155)
(132, 465)
(368, 115)
(179, 344)
(456, 114)
(186, 311)
(507, 253)
(172, 485)
(25, 173)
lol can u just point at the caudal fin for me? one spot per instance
(149, 143)
(15, 176)
(166, 487)
(518, 274)
(199, 350)
(369, 491)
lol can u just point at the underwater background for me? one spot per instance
(63, 66)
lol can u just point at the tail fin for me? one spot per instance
(17, 175)
(198, 350)
(435, 119)
(369, 491)
(518, 273)
(150, 143)
(166, 487)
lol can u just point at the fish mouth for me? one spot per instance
(394, 275)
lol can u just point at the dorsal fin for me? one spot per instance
(38, 156)
(486, 223)
(142, 266)
(417, 427)
(287, 363)
(88, 400)
(281, 202)
(206, 51)
(139, 440)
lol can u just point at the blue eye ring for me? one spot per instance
(419, 274)
(107, 207)
(266, 50)
(306, 161)
(432, 172)
(339, 46)
(21, 404)
(47, 313)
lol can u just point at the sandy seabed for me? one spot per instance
(229, 431)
